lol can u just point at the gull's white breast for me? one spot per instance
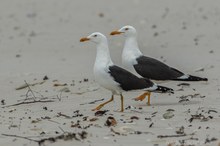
(102, 76)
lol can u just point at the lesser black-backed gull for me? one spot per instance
(134, 60)
(114, 78)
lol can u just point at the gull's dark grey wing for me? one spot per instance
(153, 69)
(127, 80)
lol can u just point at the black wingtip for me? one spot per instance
(205, 79)
(192, 78)
(163, 89)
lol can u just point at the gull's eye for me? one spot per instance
(126, 28)
(95, 35)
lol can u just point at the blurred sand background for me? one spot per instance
(39, 38)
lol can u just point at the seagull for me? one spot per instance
(115, 78)
(147, 67)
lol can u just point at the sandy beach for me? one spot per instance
(39, 46)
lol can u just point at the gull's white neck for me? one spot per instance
(102, 55)
(131, 48)
(130, 53)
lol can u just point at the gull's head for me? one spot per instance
(127, 31)
(95, 37)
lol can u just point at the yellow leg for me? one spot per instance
(142, 97)
(101, 105)
(148, 101)
(122, 103)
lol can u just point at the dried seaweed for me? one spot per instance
(65, 136)
(100, 113)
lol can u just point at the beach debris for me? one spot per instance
(127, 121)
(85, 118)
(45, 108)
(134, 118)
(76, 125)
(200, 117)
(59, 84)
(183, 84)
(101, 113)
(169, 114)
(45, 78)
(196, 95)
(130, 107)
(12, 110)
(25, 85)
(207, 140)
(77, 114)
(2, 102)
(66, 136)
(115, 132)
(170, 110)
(73, 83)
(65, 89)
(36, 121)
(93, 119)
(46, 118)
(153, 114)
(185, 98)
(177, 135)
(212, 111)
(29, 102)
(85, 80)
(148, 119)
(180, 130)
(110, 121)
(151, 124)
(63, 115)
(31, 97)
(93, 102)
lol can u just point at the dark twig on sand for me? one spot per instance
(93, 102)
(17, 136)
(32, 98)
(29, 90)
(63, 115)
(65, 136)
(167, 136)
(177, 135)
(28, 102)
(200, 117)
